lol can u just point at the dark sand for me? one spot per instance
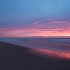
(13, 57)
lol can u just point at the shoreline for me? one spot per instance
(14, 57)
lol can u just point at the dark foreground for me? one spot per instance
(13, 57)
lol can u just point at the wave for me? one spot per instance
(54, 47)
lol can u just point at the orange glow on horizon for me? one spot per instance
(20, 32)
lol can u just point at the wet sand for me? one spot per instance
(14, 57)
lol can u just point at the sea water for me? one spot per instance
(57, 44)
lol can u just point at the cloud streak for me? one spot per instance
(39, 28)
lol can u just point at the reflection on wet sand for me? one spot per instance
(55, 54)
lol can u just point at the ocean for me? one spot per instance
(57, 44)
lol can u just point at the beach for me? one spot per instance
(14, 57)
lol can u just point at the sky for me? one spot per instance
(20, 18)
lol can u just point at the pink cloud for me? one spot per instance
(53, 28)
(37, 22)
